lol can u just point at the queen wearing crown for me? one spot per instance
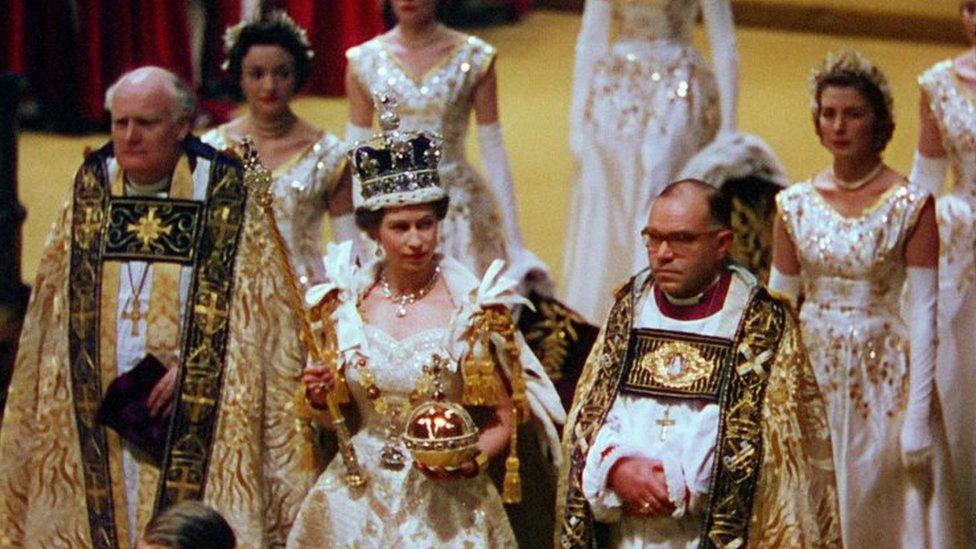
(434, 367)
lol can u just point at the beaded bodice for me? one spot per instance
(302, 187)
(954, 108)
(397, 367)
(650, 20)
(851, 263)
(438, 101)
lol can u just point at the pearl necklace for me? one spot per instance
(857, 183)
(401, 300)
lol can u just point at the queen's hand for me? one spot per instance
(319, 381)
(467, 469)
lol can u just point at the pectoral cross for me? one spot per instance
(665, 422)
(134, 315)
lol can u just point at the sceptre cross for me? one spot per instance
(665, 422)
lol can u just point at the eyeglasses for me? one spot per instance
(679, 241)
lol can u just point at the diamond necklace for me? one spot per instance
(401, 300)
(857, 183)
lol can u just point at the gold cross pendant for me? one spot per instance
(134, 314)
(665, 422)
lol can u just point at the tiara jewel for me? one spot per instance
(851, 62)
(276, 18)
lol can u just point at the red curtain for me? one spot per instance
(157, 35)
(72, 50)
(13, 54)
(333, 27)
(522, 6)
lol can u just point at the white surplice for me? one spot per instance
(686, 451)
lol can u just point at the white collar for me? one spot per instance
(157, 189)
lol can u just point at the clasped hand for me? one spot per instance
(642, 486)
(161, 401)
(319, 381)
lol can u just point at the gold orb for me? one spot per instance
(441, 434)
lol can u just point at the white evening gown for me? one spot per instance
(441, 101)
(853, 273)
(302, 187)
(954, 109)
(643, 105)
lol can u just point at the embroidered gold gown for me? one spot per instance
(853, 273)
(403, 508)
(954, 109)
(262, 460)
(647, 104)
(302, 187)
(441, 101)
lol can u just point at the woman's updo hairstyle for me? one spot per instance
(274, 29)
(850, 69)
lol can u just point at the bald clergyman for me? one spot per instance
(697, 421)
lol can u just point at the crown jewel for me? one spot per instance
(277, 18)
(851, 62)
(396, 167)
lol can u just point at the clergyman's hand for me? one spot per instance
(161, 399)
(642, 486)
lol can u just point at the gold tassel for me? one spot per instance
(481, 386)
(512, 487)
(501, 321)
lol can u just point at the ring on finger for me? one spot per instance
(645, 508)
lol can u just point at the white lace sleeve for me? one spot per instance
(725, 56)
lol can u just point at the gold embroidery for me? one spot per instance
(149, 228)
(676, 365)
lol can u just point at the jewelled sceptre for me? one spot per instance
(321, 348)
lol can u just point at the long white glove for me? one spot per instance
(344, 228)
(916, 434)
(356, 133)
(784, 285)
(929, 173)
(725, 59)
(592, 43)
(494, 162)
(523, 265)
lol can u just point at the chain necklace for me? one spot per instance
(402, 300)
(395, 409)
(857, 183)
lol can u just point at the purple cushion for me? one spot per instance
(125, 410)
